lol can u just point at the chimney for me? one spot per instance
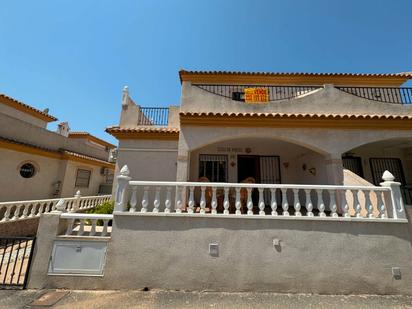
(63, 128)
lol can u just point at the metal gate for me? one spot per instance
(354, 164)
(15, 259)
(269, 173)
(393, 165)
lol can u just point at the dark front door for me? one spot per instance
(248, 166)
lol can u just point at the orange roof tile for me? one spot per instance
(26, 108)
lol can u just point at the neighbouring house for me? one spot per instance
(36, 163)
(294, 128)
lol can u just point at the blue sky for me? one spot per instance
(74, 57)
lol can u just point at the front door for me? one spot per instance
(248, 167)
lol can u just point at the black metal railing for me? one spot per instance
(15, 259)
(153, 116)
(407, 194)
(276, 93)
(399, 95)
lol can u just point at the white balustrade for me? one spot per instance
(312, 201)
(19, 210)
(93, 225)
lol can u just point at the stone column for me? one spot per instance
(334, 169)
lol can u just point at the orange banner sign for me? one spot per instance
(256, 95)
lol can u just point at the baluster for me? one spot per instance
(179, 202)
(273, 202)
(226, 203)
(297, 202)
(214, 201)
(191, 200)
(380, 204)
(249, 202)
(145, 199)
(261, 203)
(93, 229)
(41, 210)
(168, 202)
(33, 211)
(202, 200)
(368, 204)
(356, 204)
(309, 205)
(285, 204)
(133, 199)
(25, 210)
(17, 212)
(70, 225)
(104, 231)
(156, 202)
(81, 227)
(321, 205)
(333, 205)
(345, 206)
(238, 203)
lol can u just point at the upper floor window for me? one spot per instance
(27, 170)
(83, 178)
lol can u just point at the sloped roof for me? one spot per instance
(87, 135)
(394, 79)
(26, 108)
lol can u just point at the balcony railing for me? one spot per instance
(400, 95)
(153, 116)
(276, 93)
(262, 200)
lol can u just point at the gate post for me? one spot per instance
(398, 209)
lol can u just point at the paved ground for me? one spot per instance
(163, 299)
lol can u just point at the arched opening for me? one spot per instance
(257, 160)
(263, 159)
(369, 161)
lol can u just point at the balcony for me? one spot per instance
(395, 95)
(153, 116)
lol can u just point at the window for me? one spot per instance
(83, 178)
(213, 167)
(380, 165)
(27, 170)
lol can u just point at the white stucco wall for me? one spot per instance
(148, 159)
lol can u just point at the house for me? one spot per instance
(36, 163)
(301, 128)
(282, 182)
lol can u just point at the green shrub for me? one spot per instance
(105, 208)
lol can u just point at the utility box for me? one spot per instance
(78, 257)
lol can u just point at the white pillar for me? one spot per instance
(397, 211)
(334, 169)
(121, 190)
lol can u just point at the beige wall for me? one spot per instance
(96, 179)
(5, 109)
(43, 184)
(14, 187)
(323, 101)
(21, 131)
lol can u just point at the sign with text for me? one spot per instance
(256, 95)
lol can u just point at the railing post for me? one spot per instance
(398, 210)
(121, 190)
(76, 205)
